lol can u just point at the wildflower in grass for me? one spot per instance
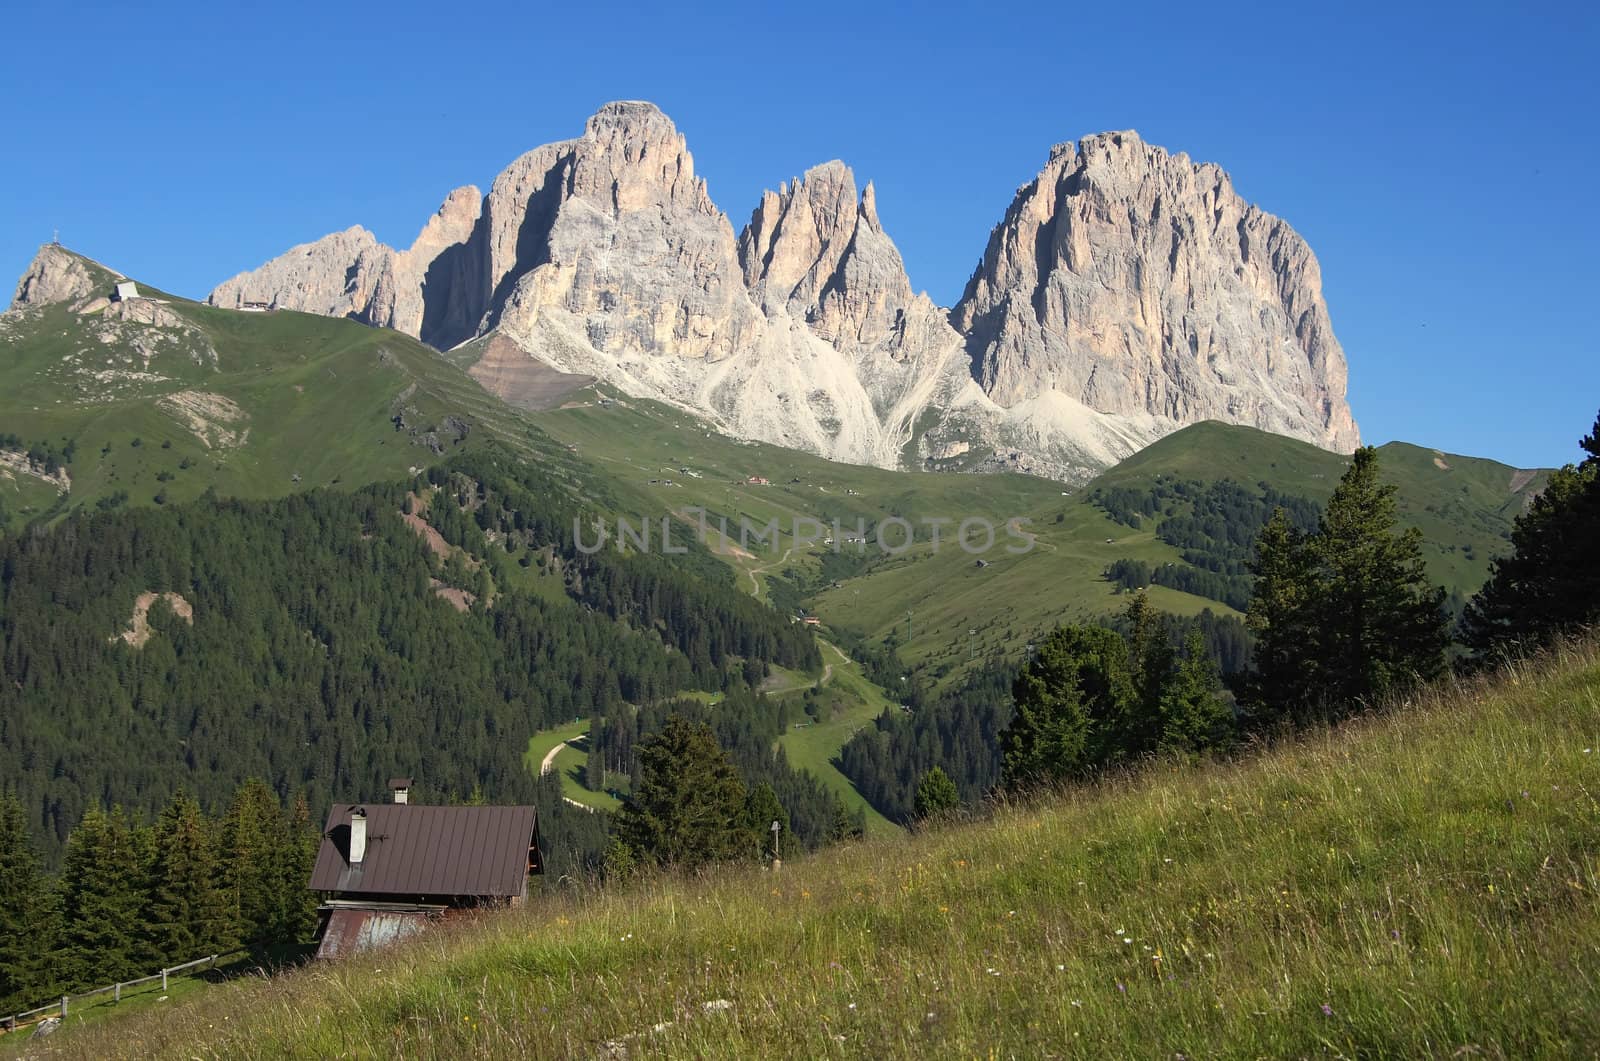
(1327, 1010)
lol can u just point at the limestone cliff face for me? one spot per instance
(612, 236)
(335, 276)
(57, 275)
(1127, 292)
(819, 254)
(1139, 283)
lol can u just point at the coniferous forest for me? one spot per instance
(313, 642)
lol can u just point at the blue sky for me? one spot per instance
(1440, 159)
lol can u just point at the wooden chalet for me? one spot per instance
(387, 870)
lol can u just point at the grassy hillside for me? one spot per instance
(256, 405)
(960, 610)
(1423, 884)
(1463, 505)
(948, 594)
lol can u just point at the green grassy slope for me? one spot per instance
(851, 703)
(1463, 505)
(1423, 884)
(1015, 596)
(314, 402)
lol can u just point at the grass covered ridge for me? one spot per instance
(1420, 884)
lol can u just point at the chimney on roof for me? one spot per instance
(401, 787)
(358, 835)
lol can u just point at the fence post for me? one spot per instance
(116, 993)
(163, 979)
(63, 1007)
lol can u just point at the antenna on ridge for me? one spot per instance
(55, 240)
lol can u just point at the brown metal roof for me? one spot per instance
(417, 850)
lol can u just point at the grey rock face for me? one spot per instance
(1126, 293)
(1139, 283)
(334, 276)
(57, 275)
(818, 254)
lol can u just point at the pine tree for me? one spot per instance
(1139, 728)
(1194, 715)
(29, 917)
(1382, 623)
(1550, 583)
(188, 910)
(936, 794)
(103, 901)
(251, 848)
(1284, 677)
(1348, 614)
(1069, 698)
(689, 806)
(295, 911)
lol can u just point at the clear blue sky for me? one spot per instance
(1441, 159)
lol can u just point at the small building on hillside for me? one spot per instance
(126, 291)
(387, 870)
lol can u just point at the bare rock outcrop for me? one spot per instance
(57, 275)
(335, 276)
(1139, 283)
(819, 254)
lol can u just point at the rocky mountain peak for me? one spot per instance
(1125, 293)
(57, 275)
(1136, 282)
(816, 250)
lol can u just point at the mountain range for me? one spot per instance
(1126, 292)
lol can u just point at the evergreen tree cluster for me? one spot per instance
(692, 806)
(1093, 698)
(746, 726)
(131, 899)
(1550, 583)
(1214, 524)
(319, 654)
(958, 733)
(1344, 615)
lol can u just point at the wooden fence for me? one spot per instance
(59, 1009)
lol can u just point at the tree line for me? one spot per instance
(133, 897)
(1341, 615)
(958, 732)
(1344, 618)
(317, 654)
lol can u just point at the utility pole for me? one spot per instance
(776, 828)
(908, 626)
